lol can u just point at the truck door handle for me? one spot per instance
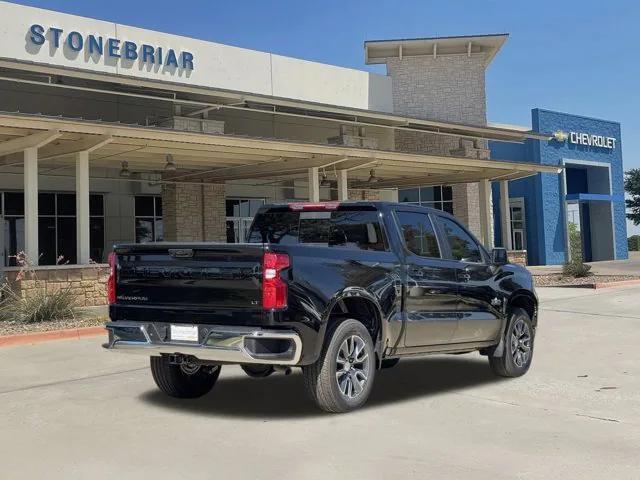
(416, 272)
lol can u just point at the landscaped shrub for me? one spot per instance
(38, 304)
(576, 269)
(634, 243)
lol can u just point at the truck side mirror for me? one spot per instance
(499, 256)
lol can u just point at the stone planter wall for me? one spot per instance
(87, 282)
(519, 257)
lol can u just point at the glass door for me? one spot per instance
(240, 213)
(518, 228)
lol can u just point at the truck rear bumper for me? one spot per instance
(216, 343)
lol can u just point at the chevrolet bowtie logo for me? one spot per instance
(560, 136)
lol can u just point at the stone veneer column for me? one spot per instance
(357, 194)
(194, 212)
(466, 205)
(215, 213)
(445, 88)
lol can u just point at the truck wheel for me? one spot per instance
(518, 346)
(342, 378)
(183, 381)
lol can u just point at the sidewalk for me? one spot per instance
(631, 266)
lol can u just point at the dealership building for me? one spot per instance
(111, 133)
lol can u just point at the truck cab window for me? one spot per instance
(463, 247)
(419, 235)
(274, 227)
(357, 229)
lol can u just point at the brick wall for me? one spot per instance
(87, 283)
(445, 88)
(194, 212)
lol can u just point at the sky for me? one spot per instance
(579, 57)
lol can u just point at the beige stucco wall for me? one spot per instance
(215, 65)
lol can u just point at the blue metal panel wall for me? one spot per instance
(546, 243)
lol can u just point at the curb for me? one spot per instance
(621, 283)
(39, 337)
(595, 286)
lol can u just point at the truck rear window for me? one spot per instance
(359, 229)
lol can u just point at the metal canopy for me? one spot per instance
(221, 158)
(197, 100)
(378, 51)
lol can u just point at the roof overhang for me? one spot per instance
(378, 51)
(196, 99)
(221, 158)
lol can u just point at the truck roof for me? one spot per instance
(334, 205)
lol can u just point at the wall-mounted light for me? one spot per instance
(170, 166)
(124, 171)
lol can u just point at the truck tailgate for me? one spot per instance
(180, 282)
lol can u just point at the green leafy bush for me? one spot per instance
(634, 243)
(38, 306)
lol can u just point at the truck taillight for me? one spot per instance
(274, 288)
(111, 282)
(313, 206)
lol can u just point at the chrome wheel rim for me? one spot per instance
(352, 366)
(520, 343)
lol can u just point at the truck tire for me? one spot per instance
(518, 346)
(342, 378)
(180, 382)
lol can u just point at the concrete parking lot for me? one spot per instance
(69, 410)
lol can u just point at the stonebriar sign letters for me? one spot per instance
(113, 48)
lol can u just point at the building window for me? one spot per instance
(148, 219)
(56, 227)
(240, 213)
(440, 197)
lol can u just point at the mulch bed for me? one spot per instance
(557, 280)
(13, 328)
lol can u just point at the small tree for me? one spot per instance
(575, 242)
(632, 187)
(576, 266)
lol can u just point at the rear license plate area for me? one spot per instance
(184, 333)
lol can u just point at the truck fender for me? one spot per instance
(361, 293)
(518, 294)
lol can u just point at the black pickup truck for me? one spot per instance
(338, 289)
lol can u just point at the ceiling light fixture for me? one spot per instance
(325, 181)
